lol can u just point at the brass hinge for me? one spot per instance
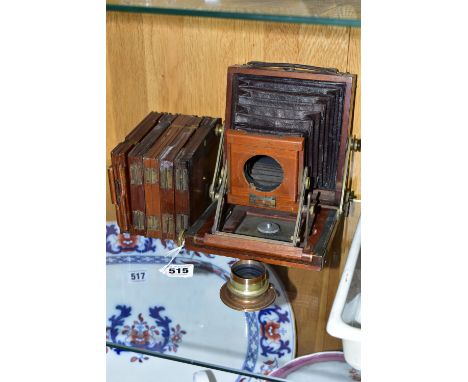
(151, 175)
(166, 178)
(181, 179)
(136, 174)
(168, 223)
(181, 222)
(153, 223)
(139, 220)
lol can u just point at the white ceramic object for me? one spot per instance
(185, 316)
(318, 367)
(343, 312)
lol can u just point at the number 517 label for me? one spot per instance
(176, 270)
(137, 276)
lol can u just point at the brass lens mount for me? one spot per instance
(248, 289)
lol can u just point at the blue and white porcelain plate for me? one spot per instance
(185, 316)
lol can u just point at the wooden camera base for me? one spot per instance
(312, 256)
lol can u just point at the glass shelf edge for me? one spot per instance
(188, 361)
(233, 15)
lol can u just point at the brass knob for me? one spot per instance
(355, 144)
(219, 130)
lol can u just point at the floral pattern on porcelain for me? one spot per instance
(268, 366)
(160, 336)
(267, 329)
(271, 330)
(125, 243)
(117, 243)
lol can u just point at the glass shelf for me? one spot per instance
(332, 12)
(167, 328)
(226, 371)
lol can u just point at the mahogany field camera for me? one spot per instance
(279, 183)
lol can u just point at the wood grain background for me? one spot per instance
(178, 64)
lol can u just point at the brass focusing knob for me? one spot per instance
(248, 289)
(355, 144)
(219, 130)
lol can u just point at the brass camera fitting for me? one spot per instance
(248, 288)
(181, 238)
(219, 130)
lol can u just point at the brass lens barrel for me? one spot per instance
(248, 279)
(248, 288)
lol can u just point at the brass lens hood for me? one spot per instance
(248, 288)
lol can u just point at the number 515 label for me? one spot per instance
(175, 270)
